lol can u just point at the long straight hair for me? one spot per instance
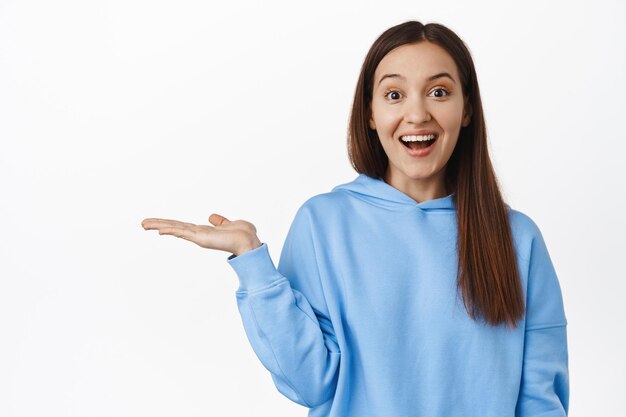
(487, 275)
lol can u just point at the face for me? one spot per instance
(416, 99)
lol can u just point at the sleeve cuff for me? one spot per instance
(254, 268)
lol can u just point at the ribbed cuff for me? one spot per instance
(254, 268)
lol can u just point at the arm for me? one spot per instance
(285, 316)
(544, 387)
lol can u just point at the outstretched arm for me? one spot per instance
(286, 318)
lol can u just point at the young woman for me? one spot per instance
(413, 290)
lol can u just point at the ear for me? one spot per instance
(371, 122)
(467, 116)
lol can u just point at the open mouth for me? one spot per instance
(419, 142)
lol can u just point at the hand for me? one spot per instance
(237, 236)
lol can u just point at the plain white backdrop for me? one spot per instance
(114, 111)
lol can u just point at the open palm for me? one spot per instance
(236, 236)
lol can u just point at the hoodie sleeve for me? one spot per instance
(544, 387)
(285, 316)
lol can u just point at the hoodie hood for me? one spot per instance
(376, 191)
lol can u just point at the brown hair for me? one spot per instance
(487, 271)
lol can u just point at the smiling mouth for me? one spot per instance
(418, 144)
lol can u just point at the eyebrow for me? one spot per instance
(432, 77)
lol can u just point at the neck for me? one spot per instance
(419, 190)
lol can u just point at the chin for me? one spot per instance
(419, 174)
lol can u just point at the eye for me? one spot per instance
(442, 89)
(392, 91)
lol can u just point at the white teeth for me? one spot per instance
(413, 138)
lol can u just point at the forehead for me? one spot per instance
(416, 61)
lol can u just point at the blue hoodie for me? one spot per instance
(362, 316)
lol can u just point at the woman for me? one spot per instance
(413, 290)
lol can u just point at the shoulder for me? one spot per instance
(323, 213)
(525, 231)
(521, 223)
(325, 203)
(314, 218)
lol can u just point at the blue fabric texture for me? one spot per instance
(362, 316)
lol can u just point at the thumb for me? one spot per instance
(218, 220)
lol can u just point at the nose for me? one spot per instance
(416, 110)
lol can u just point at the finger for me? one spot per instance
(218, 220)
(151, 224)
(171, 221)
(183, 233)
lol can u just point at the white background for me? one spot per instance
(114, 111)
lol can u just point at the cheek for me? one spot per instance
(382, 113)
(387, 121)
(448, 147)
(450, 117)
